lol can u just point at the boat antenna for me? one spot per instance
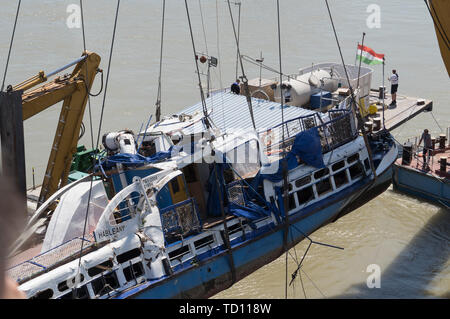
(158, 98)
(202, 95)
(352, 93)
(244, 77)
(10, 45)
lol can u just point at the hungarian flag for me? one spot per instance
(369, 56)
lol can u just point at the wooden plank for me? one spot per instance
(12, 139)
(407, 107)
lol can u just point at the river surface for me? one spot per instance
(405, 238)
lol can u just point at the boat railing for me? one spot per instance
(340, 129)
(50, 259)
(235, 193)
(180, 220)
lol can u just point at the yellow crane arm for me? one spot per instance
(440, 12)
(73, 90)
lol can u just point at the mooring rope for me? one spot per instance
(10, 45)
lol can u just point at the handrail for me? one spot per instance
(323, 126)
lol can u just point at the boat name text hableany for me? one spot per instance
(110, 232)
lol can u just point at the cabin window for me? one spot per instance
(175, 185)
(367, 164)
(126, 256)
(340, 178)
(45, 294)
(147, 148)
(291, 201)
(356, 170)
(321, 173)
(100, 268)
(338, 165)
(302, 181)
(133, 271)
(104, 284)
(79, 293)
(234, 228)
(305, 195)
(190, 174)
(62, 286)
(353, 158)
(323, 186)
(208, 240)
(245, 159)
(178, 253)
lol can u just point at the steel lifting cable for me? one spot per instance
(360, 124)
(226, 237)
(87, 79)
(203, 26)
(268, 68)
(220, 64)
(74, 291)
(299, 265)
(158, 98)
(285, 170)
(202, 96)
(10, 45)
(239, 34)
(311, 242)
(244, 78)
(108, 72)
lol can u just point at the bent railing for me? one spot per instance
(180, 220)
(340, 129)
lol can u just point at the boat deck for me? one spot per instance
(407, 107)
(433, 167)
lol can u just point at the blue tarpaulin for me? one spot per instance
(307, 147)
(213, 205)
(250, 211)
(133, 159)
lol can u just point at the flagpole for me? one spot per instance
(384, 93)
(356, 56)
(360, 59)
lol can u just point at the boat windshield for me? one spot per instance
(245, 159)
